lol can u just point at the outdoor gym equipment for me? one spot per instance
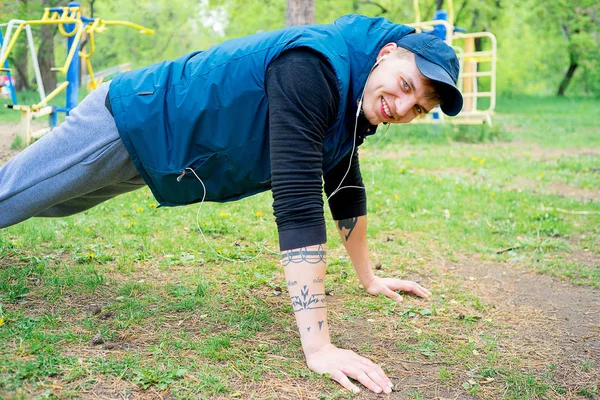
(72, 25)
(477, 67)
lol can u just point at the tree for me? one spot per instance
(578, 21)
(19, 56)
(580, 29)
(300, 12)
(45, 53)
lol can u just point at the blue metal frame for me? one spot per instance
(11, 87)
(74, 69)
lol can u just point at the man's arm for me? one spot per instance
(305, 275)
(353, 232)
(303, 102)
(349, 208)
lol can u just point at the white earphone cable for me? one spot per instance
(338, 189)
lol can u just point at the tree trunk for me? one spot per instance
(46, 53)
(19, 62)
(300, 12)
(92, 8)
(439, 4)
(459, 13)
(567, 79)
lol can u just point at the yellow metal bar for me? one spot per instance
(477, 54)
(93, 82)
(13, 40)
(469, 85)
(66, 16)
(61, 29)
(428, 26)
(143, 30)
(478, 74)
(90, 29)
(450, 12)
(417, 11)
(489, 56)
(476, 94)
(73, 49)
(52, 95)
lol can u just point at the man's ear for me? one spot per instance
(386, 50)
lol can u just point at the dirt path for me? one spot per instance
(8, 131)
(548, 326)
(544, 327)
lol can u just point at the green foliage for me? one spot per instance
(532, 57)
(177, 319)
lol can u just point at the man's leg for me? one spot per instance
(78, 165)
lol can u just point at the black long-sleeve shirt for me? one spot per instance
(303, 102)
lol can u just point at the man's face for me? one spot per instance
(395, 91)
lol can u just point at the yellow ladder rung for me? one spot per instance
(480, 94)
(470, 74)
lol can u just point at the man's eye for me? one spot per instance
(419, 109)
(404, 84)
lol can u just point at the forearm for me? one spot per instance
(305, 275)
(353, 232)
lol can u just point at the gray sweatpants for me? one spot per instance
(78, 165)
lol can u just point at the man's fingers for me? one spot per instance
(413, 287)
(381, 381)
(384, 381)
(343, 380)
(420, 291)
(381, 373)
(362, 377)
(392, 295)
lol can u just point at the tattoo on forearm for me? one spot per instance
(308, 301)
(347, 225)
(308, 328)
(303, 255)
(292, 283)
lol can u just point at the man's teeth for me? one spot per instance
(386, 108)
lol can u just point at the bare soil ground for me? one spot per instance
(538, 320)
(541, 320)
(7, 134)
(546, 321)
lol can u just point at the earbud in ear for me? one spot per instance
(383, 57)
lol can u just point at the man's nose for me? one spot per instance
(403, 106)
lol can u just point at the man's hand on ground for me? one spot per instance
(342, 364)
(389, 287)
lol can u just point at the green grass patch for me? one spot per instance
(177, 319)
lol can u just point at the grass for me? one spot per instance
(30, 97)
(176, 319)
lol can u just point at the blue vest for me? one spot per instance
(208, 110)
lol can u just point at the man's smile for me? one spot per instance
(385, 109)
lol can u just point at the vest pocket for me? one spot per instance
(179, 187)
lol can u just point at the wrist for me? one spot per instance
(365, 275)
(314, 348)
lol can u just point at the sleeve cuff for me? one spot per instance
(295, 238)
(349, 212)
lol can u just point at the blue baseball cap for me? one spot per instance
(437, 62)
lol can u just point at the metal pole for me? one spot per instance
(11, 88)
(36, 66)
(73, 71)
